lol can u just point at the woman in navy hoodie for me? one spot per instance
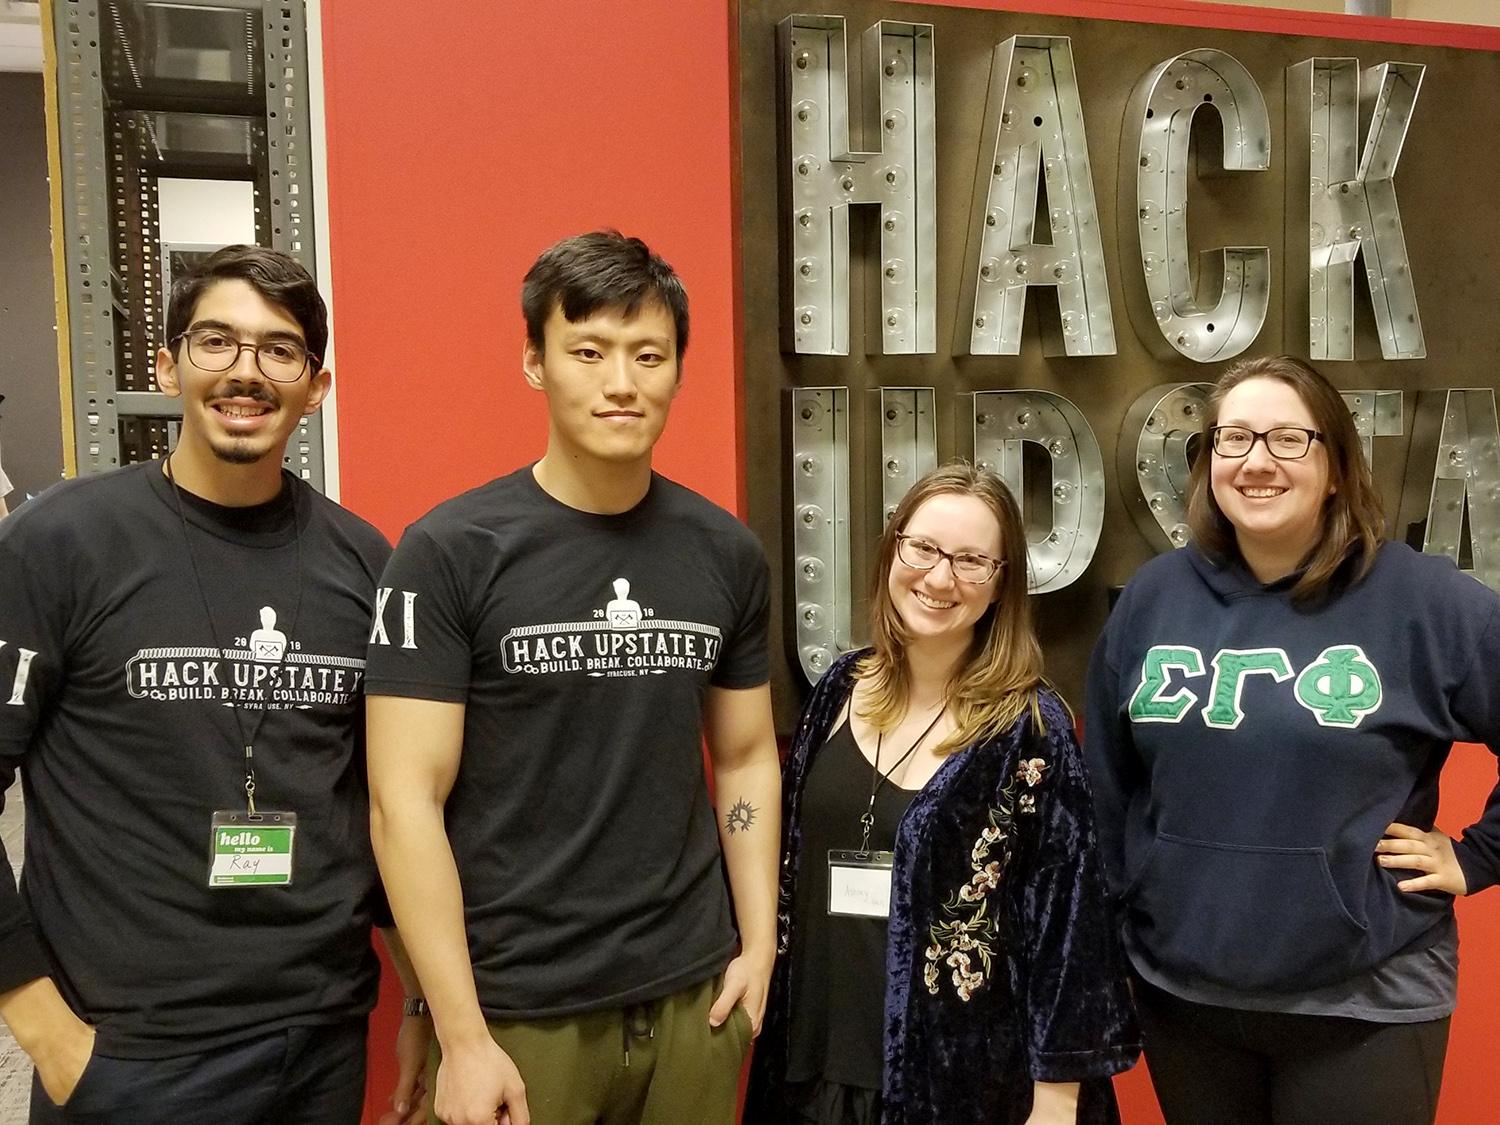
(937, 767)
(1268, 712)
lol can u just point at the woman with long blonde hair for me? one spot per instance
(945, 954)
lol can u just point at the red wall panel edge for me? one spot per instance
(1233, 17)
(737, 260)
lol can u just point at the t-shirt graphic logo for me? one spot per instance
(621, 612)
(267, 643)
(620, 638)
(265, 669)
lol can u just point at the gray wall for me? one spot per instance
(30, 427)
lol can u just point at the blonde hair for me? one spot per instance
(1002, 674)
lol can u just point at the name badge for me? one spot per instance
(251, 850)
(859, 883)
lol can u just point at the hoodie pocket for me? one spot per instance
(1243, 917)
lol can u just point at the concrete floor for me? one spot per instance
(10, 824)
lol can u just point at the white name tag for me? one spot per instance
(859, 883)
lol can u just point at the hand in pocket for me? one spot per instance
(61, 1061)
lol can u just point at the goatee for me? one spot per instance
(238, 454)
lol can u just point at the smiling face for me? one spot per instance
(609, 380)
(1275, 507)
(238, 416)
(934, 605)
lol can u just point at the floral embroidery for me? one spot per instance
(968, 931)
(1030, 771)
(982, 845)
(964, 980)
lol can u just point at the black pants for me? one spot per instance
(298, 1076)
(1228, 1066)
(830, 1103)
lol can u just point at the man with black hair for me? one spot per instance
(192, 939)
(550, 652)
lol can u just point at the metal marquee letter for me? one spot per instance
(1034, 119)
(894, 170)
(1376, 414)
(1061, 548)
(908, 442)
(820, 525)
(1351, 208)
(1457, 435)
(1156, 146)
(1153, 451)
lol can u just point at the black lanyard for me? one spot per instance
(246, 740)
(867, 821)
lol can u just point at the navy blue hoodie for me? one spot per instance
(1248, 751)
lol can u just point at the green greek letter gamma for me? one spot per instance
(1148, 704)
(1231, 666)
(1340, 687)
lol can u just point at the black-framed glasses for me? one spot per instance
(967, 566)
(1285, 443)
(213, 349)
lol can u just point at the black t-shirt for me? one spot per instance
(838, 970)
(117, 689)
(582, 646)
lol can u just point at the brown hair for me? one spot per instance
(1003, 672)
(1353, 523)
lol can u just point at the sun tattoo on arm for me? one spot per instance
(740, 817)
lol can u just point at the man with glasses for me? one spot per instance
(551, 651)
(181, 654)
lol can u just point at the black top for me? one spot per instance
(583, 647)
(838, 961)
(119, 692)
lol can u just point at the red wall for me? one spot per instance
(459, 146)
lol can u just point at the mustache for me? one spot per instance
(257, 392)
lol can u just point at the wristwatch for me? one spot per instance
(415, 1006)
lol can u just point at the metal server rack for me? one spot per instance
(147, 90)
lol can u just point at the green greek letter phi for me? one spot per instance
(1340, 687)
(1148, 704)
(1231, 666)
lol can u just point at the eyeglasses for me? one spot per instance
(967, 566)
(1285, 443)
(213, 349)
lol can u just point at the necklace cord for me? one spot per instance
(867, 822)
(247, 740)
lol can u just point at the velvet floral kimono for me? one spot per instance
(1001, 966)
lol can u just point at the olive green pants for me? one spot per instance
(649, 1064)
